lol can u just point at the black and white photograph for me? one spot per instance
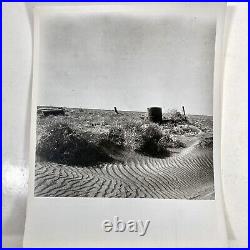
(125, 106)
(125, 125)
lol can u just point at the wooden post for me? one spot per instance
(183, 108)
(116, 110)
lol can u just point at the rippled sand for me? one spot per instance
(187, 175)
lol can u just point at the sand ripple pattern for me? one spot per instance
(184, 176)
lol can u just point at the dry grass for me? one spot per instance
(148, 142)
(62, 144)
(98, 132)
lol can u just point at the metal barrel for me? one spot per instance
(155, 114)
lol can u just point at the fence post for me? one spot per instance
(184, 113)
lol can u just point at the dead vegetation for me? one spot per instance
(63, 144)
(86, 137)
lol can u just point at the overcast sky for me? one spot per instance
(106, 60)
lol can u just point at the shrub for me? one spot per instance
(113, 142)
(168, 142)
(184, 130)
(206, 142)
(165, 141)
(132, 131)
(148, 142)
(116, 136)
(176, 117)
(65, 145)
(163, 144)
(178, 144)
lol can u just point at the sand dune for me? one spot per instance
(187, 175)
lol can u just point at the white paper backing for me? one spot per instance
(17, 88)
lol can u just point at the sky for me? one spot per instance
(132, 62)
